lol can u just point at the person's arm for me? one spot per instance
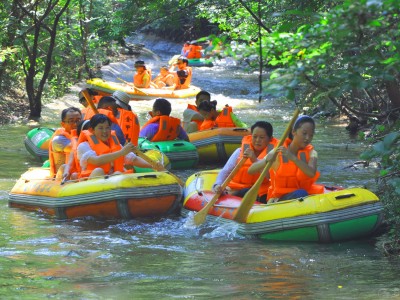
(188, 79)
(226, 170)
(259, 164)
(100, 160)
(119, 133)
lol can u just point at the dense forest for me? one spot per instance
(339, 57)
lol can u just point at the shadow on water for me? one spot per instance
(168, 258)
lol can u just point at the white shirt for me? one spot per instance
(84, 151)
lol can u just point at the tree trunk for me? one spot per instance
(393, 91)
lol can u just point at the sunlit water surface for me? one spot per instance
(169, 259)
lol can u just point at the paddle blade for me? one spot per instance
(200, 217)
(247, 203)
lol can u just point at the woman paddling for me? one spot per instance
(254, 147)
(294, 171)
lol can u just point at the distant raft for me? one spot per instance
(217, 144)
(193, 62)
(337, 215)
(104, 87)
(125, 196)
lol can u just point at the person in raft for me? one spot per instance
(104, 107)
(142, 77)
(72, 170)
(127, 120)
(161, 126)
(192, 119)
(214, 118)
(183, 76)
(185, 49)
(100, 153)
(254, 147)
(294, 172)
(60, 142)
(164, 80)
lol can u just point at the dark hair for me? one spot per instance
(208, 105)
(264, 125)
(99, 119)
(69, 109)
(82, 125)
(163, 106)
(165, 67)
(183, 59)
(203, 92)
(106, 101)
(300, 121)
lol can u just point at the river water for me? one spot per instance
(163, 258)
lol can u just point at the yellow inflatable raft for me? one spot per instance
(120, 196)
(336, 215)
(217, 144)
(108, 87)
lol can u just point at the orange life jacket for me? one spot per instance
(288, 177)
(168, 128)
(194, 107)
(194, 51)
(90, 113)
(54, 162)
(96, 98)
(129, 123)
(224, 119)
(138, 78)
(245, 180)
(101, 148)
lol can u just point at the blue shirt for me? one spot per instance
(151, 129)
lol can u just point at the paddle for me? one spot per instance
(201, 215)
(251, 195)
(139, 91)
(136, 151)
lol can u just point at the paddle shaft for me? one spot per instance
(200, 216)
(251, 195)
(90, 101)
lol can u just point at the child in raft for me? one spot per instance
(100, 153)
(294, 171)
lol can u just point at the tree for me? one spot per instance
(39, 32)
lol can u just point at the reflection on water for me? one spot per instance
(167, 258)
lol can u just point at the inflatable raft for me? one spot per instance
(337, 215)
(104, 87)
(200, 62)
(181, 154)
(193, 62)
(217, 144)
(123, 196)
(37, 142)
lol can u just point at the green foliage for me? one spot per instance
(387, 152)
